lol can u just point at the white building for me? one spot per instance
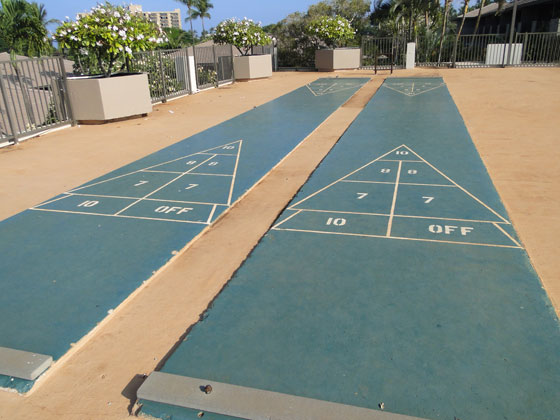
(170, 19)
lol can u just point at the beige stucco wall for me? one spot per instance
(252, 66)
(100, 99)
(337, 59)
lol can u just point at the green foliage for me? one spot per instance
(23, 28)
(199, 9)
(332, 31)
(243, 34)
(160, 83)
(107, 34)
(206, 76)
(176, 38)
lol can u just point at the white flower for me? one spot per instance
(121, 48)
(122, 33)
(86, 26)
(140, 36)
(97, 19)
(115, 28)
(99, 43)
(128, 50)
(117, 14)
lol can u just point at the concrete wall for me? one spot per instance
(337, 59)
(252, 66)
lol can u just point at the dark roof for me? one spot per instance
(493, 8)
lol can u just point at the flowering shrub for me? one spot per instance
(108, 33)
(243, 34)
(332, 31)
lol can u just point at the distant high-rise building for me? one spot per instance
(170, 19)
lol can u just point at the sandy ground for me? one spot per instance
(512, 115)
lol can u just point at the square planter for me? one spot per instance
(101, 99)
(337, 59)
(252, 66)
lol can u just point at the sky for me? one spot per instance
(265, 11)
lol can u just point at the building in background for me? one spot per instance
(170, 19)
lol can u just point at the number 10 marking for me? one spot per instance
(336, 222)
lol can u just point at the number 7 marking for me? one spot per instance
(191, 186)
(427, 199)
(141, 183)
(361, 195)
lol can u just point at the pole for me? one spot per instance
(65, 93)
(512, 29)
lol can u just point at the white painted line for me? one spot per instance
(160, 172)
(52, 201)
(391, 215)
(402, 160)
(458, 186)
(163, 186)
(402, 183)
(122, 216)
(217, 154)
(199, 173)
(234, 172)
(397, 237)
(149, 199)
(211, 215)
(346, 212)
(286, 219)
(411, 94)
(507, 234)
(105, 180)
(448, 218)
(344, 177)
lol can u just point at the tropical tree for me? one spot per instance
(190, 5)
(201, 10)
(177, 38)
(443, 28)
(23, 28)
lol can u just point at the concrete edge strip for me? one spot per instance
(249, 403)
(23, 364)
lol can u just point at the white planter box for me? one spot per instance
(252, 66)
(337, 59)
(97, 99)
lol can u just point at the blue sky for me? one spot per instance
(265, 11)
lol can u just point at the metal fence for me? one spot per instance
(539, 49)
(214, 65)
(33, 97)
(383, 53)
(168, 72)
(489, 50)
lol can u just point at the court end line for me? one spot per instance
(507, 234)
(234, 172)
(397, 237)
(120, 216)
(164, 185)
(344, 177)
(288, 218)
(458, 186)
(392, 214)
(163, 200)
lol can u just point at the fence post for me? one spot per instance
(216, 65)
(232, 66)
(189, 84)
(512, 29)
(454, 58)
(164, 99)
(8, 113)
(65, 93)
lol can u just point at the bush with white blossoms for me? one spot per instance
(332, 31)
(109, 33)
(243, 34)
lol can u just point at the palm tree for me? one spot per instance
(201, 10)
(190, 4)
(465, 10)
(443, 28)
(22, 28)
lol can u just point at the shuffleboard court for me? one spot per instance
(393, 286)
(68, 262)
